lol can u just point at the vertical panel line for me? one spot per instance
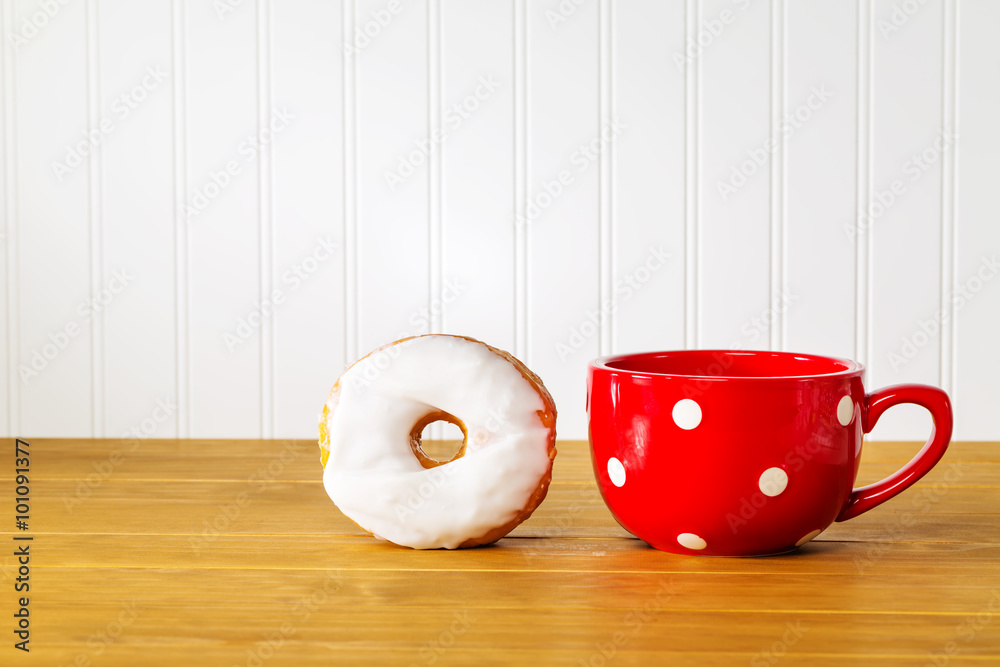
(862, 237)
(605, 238)
(691, 165)
(96, 232)
(434, 125)
(265, 220)
(778, 222)
(955, 153)
(869, 177)
(948, 165)
(181, 295)
(13, 314)
(349, 97)
(350, 101)
(521, 162)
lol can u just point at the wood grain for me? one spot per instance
(229, 553)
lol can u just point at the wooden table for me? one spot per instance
(230, 553)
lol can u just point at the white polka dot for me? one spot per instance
(691, 541)
(687, 414)
(773, 481)
(616, 471)
(811, 536)
(845, 411)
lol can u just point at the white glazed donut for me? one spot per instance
(376, 472)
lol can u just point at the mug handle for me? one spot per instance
(937, 403)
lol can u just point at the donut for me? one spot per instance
(376, 472)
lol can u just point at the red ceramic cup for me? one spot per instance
(741, 453)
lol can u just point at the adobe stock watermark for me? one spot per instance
(708, 33)
(634, 622)
(246, 153)
(624, 289)
(929, 329)
(265, 648)
(456, 115)
(368, 31)
(373, 365)
(257, 483)
(224, 8)
(417, 498)
(42, 357)
(437, 477)
(750, 332)
(922, 500)
(562, 12)
(772, 655)
(34, 22)
(585, 155)
(773, 481)
(420, 320)
(758, 158)
(900, 15)
(966, 632)
(431, 651)
(99, 642)
(132, 439)
(913, 169)
(565, 520)
(757, 325)
(123, 106)
(291, 280)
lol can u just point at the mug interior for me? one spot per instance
(730, 364)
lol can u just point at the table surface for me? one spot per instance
(217, 552)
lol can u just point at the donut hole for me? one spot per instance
(437, 439)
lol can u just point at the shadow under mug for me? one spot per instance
(742, 453)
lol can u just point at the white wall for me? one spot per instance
(206, 224)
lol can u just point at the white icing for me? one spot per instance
(372, 474)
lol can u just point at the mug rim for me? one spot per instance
(851, 367)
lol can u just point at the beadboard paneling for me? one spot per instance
(559, 179)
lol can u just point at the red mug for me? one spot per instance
(742, 453)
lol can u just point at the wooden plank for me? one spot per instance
(434, 591)
(424, 651)
(262, 503)
(890, 561)
(576, 632)
(237, 459)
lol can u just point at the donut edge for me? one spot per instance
(547, 417)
